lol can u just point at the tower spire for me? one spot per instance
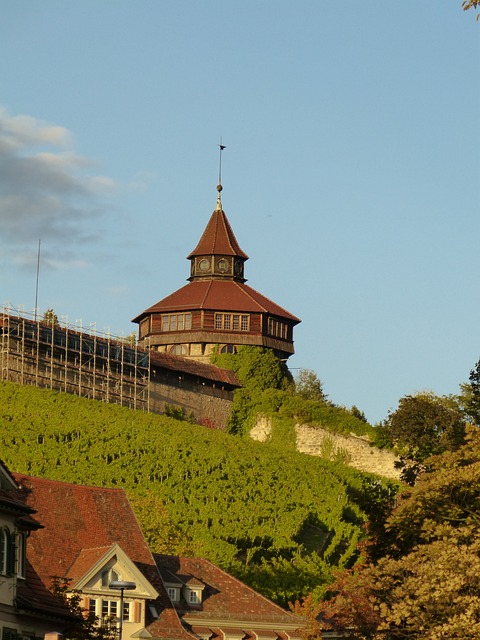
(219, 186)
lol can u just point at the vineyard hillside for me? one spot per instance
(277, 519)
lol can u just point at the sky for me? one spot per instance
(350, 174)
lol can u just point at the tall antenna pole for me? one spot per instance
(36, 284)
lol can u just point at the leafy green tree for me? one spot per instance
(257, 368)
(471, 395)
(422, 425)
(50, 318)
(308, 386)
(85, 624)
(355, 411)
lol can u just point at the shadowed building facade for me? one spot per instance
(216, 309)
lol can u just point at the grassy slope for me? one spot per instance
(246, 506)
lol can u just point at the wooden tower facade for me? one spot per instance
(216, 308)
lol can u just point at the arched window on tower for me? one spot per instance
(228, 348)
(178, 350)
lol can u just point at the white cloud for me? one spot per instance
(47, 191)
(23, 131)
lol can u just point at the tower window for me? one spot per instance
(177, 322)
(232, 321)
(178, 350)
(277, 328)
(229, 348)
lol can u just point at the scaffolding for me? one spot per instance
(67, 357)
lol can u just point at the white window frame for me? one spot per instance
(232, 321)
(194, 597)
(173, 594)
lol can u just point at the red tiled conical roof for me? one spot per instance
(218, 238)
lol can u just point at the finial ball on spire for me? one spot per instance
(219, 188)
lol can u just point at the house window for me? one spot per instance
(7, 553)
(177, 322)
(232, 321)
(172, 594)
(110, 610)
(193, 597)
(21, 554)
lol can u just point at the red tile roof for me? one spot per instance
(218, 295)
(78, 521)
(85, 561)
(194, 368)
(218, 238)
(225, 598)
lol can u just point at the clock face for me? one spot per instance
(238, 267)
(222, 265)
(204, 264)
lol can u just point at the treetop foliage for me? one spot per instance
(268, 387)
(423, 425)
(426, 583)
(471, 4)
(308, 386)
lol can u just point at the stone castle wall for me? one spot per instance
(357, 452)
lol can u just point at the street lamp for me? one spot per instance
(121, 585)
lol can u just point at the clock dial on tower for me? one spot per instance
(204, 264)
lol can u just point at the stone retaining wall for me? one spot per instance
(356, 451)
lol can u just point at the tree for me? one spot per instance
(427, 584)
(471, 4)
(257, 368)
(85, 624)
(50, 318)
(309, 386)
(471, 395)
(422, 425)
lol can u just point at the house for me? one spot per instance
(214, 605)
(217, 309)
(90, 535)
(27, 609)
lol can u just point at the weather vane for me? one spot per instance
(219, 187)
(222, 147)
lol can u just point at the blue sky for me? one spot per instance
(350, 174)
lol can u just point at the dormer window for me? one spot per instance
(173, 594)
(194, 596)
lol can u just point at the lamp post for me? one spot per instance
(121, 585)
